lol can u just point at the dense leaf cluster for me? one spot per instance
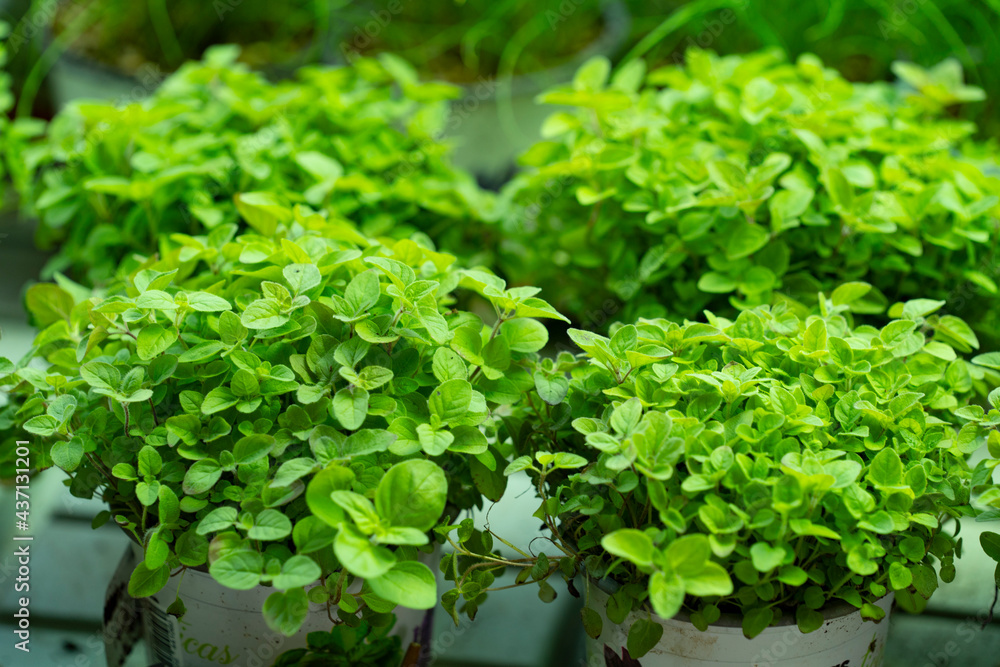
(763, 466)
(732, 181)
(282, 409)
(106, 179)
(343, 648)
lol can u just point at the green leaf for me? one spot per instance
(363, 291)
(666, 593)
(360, 509)
(191, 549)
(886, 469)
(350, 406)
(292, 470)
(263, 314)
(808, 620)
(156, 300)
(766, 557)
(593, 624)
(848, 293)
(150, 462)
(217, 400)
(203, 351)
(626, 416)
(240, 570)
(319, 490)
(297, 571)
(551, 389)
(244, 384)
(201, 476)
(154, 340)
(643, 636)
(253, 448)
(373, 377)
(713, 579)
(208, 303)
(450, 401)
(145, 582)
(270, 525)
(104, 378)
(65, 454)
(755, 621)
(745, 240)
(48, 303)
(219, 519)
(357, 553)
(412, 493)
(42, 425)
(632, 545)
(301, 277)
(990, 543)
(312, 534)
(231, 329)
(524, 335)
(285, 612)
(592, 76)
(262, 211)
(408, 584)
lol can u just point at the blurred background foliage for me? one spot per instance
(465, 41)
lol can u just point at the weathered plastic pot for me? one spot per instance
(225, 626)
(72, 78)
(495, 120)
(843, 639)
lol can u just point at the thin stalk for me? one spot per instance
(50, 55)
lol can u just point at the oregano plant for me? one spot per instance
(727, 182)
(765, 467)
(217, 143)
(298, 410)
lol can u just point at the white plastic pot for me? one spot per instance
(226, 627)
(845, 639)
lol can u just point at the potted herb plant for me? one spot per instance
(501, 53)
(277, 421)
(729, 181)
(859, 39)
(756, 480)
(105, 179)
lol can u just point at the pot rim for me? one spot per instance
(608, 587)
(617, 23)
(272, 71)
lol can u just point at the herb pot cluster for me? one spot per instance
(764, 466)
(256, 348)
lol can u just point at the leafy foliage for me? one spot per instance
(345, 647)
(286, 409)
(217, 144)
(732, 181)
(859, 39)
(764, 466)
